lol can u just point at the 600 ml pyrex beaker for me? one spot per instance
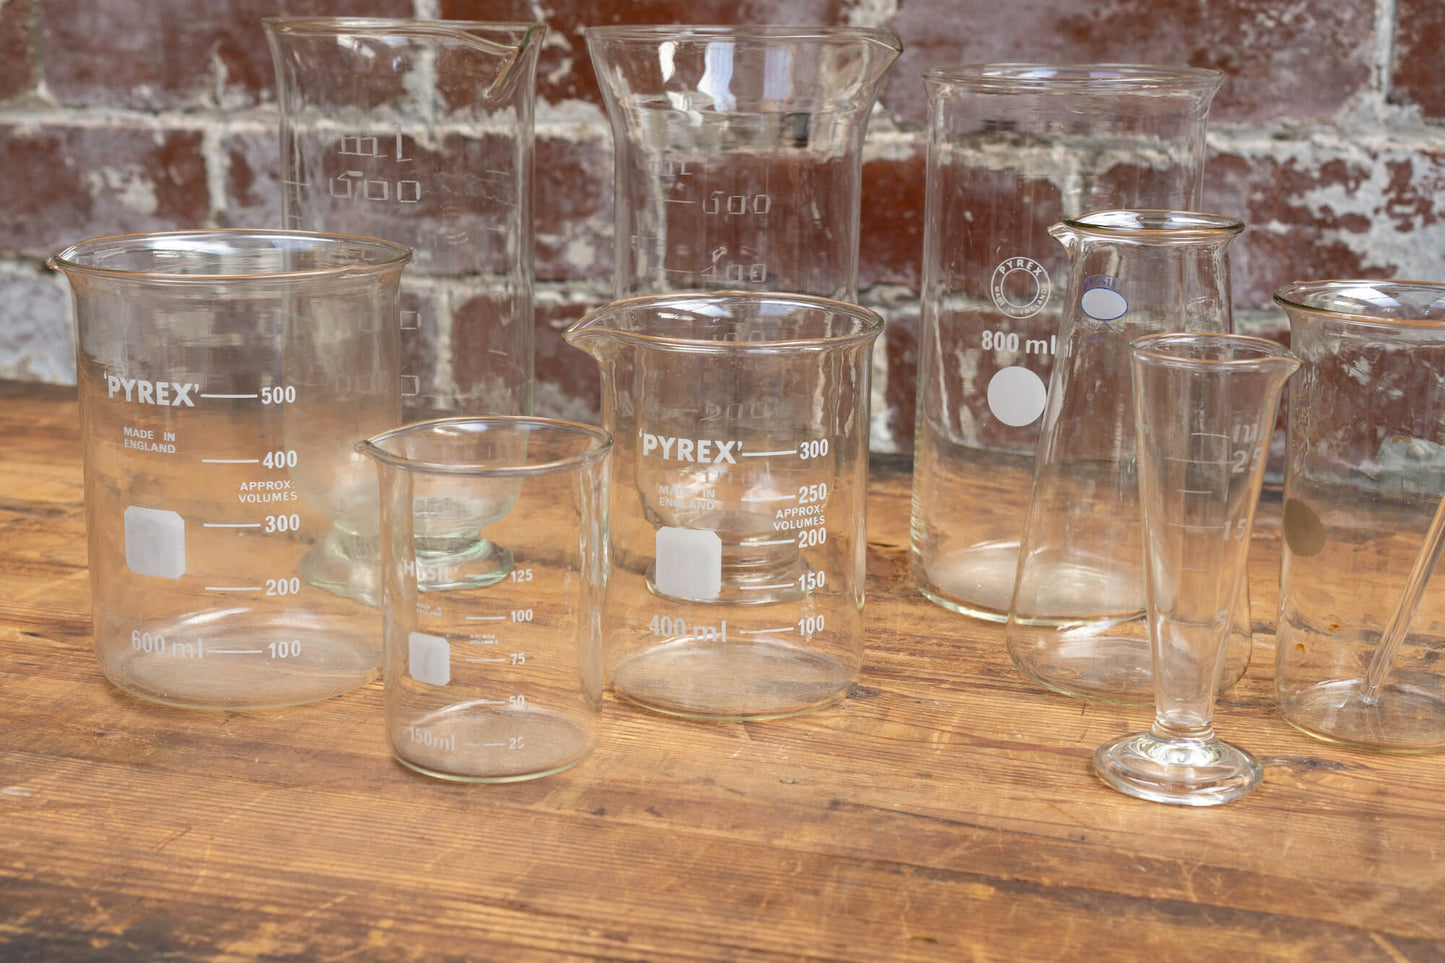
(1364, 478)
(741, 427)
(421, 132)
(738, 153)
(1077, 623)
(1014, 148)
(500, 682)
(224, 377)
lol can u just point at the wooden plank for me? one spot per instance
(946, 810)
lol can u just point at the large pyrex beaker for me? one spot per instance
(421, 132)
(738, 153)
(1076, 623)
(1014, 148)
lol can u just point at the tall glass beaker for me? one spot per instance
(738, 153)
(1076, 623)
(421, 132)
(1014, 148)
(738, 505)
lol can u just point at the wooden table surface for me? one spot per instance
(946, 810)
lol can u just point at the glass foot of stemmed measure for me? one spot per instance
(479, 564)
(1187, 772)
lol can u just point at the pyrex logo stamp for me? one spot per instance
(1020, 287)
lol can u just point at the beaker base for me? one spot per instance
(977, 581)
(759, 678)
(1184, 772)
(477, 742)
(1401, 718)
(480, 564)
(1111, 669)
(201, 664)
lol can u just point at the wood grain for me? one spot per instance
(945, 811)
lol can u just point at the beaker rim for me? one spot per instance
(599, 444)
(1367, 301)
(1154, 348)
(387, 255)
(869, 324)
(331, 25)
(652, 33)
(1157, 224)
(1023, 77)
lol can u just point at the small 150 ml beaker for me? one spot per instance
(1076, 622)
(738, 524)
(224, 377)
(501, 682)
(1364, 477)
(738, 153)
(1014, 148)
(421, 132)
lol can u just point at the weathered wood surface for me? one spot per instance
(946, 811)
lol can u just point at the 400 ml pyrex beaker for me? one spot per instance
(421, 132)
(738, 153)
(502, 682)
(1014, 148)
(740, 473)
(224, 377)
(1076, 623)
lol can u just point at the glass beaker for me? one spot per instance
(501, 682)
(1204, 411)
(1076, 623)
(738, 153)
(1364, 477)
(223, 378)
(1014, 148)
(738, 525)
(421, 132)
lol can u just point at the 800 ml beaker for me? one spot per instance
(1076, 622)
(1364, 477)
(738, 153)
(1014, 148)
(421, 132)
(741, 426)
(501, 682)
(224, 377)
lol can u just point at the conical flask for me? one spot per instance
(1076, 623)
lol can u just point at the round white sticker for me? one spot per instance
(1016, 396)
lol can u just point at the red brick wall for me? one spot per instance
(135, 115)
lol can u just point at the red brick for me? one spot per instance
(157, 54)
(573, 198)
(900, 346)
(17, 51)
(1419, 37)
(1326, 217)
(565, 70)
(890, 245)
(253, 179)
(64, 184)
(568, 380)
(1301, 61)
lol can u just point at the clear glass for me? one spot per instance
(1013, 149)
(738, 153)
(1205, 407)
(1364, 478)
(503, 682)
(738, 515)
(1077, 623)
(223, 378)
(421, 132)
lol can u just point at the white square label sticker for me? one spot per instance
(429, 659)
(155, 542)
(689, 563)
